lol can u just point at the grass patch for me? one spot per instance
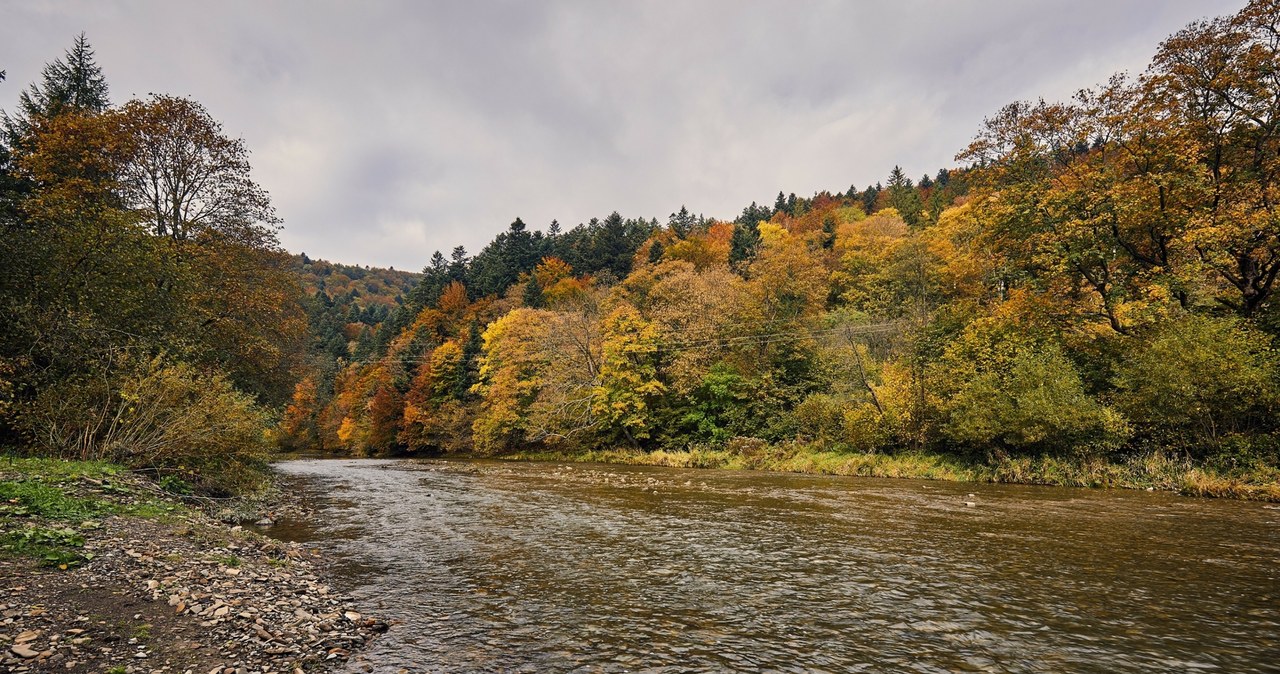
(57, 470)
(47, 505)
(152, 509)
(52, 547)
(1152, 470)
(33, 498)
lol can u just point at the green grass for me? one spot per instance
(38, 499)
(52, 547)
(46, 505)
(57, 470)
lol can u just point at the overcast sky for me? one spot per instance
(387, 130)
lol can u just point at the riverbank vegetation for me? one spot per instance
(1154, 471)
(1089, 301)
(148, 315)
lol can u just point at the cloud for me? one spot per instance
(385, 131)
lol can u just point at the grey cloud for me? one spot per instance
(387, 130)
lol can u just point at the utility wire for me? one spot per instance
(699, 344)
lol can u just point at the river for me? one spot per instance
(539, 567)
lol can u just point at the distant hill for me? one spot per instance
(365, 286)
(347, 304)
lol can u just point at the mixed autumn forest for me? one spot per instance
(1086, 297)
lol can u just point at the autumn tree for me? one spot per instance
(1215, 82)
(511, 375)
(628, 382)
(95, 291)
(190, 177)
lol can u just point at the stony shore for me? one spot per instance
(161, 587)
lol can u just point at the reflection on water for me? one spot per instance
(546, 567)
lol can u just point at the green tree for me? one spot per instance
(870, 197)
(743, 244)
(1193, 381)
(73, 83)
(904, 197)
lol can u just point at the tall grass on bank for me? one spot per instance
(1152, 470)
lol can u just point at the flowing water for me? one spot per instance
(530, 567)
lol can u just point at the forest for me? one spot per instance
(1087, 298)
(148, 315)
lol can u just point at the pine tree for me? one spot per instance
(73, 83)
(655, 252)
(903, 197)
(468, 364)
(742, 246)
(458, 264)
(828, 232)
(682, 223)
(532, 296)
(612, 248)
(869, 198)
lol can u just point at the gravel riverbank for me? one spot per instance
(157, 587)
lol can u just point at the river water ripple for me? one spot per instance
(521, 567)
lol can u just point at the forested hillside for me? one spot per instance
(1098, 285)
(1092, 284)
(370, 289)
(346, 305)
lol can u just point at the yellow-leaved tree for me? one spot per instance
(629, 382)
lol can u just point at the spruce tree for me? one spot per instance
(655, 252)
(73, 83)
(532, 296)
(869, 198)
(742, 246)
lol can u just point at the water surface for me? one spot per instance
(525, 567)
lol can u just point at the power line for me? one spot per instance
(724, 342)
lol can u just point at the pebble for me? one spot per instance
(23, 651)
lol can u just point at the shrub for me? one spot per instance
(168, 417)
(1019, 391)
(820, 416)
(1194, 381)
